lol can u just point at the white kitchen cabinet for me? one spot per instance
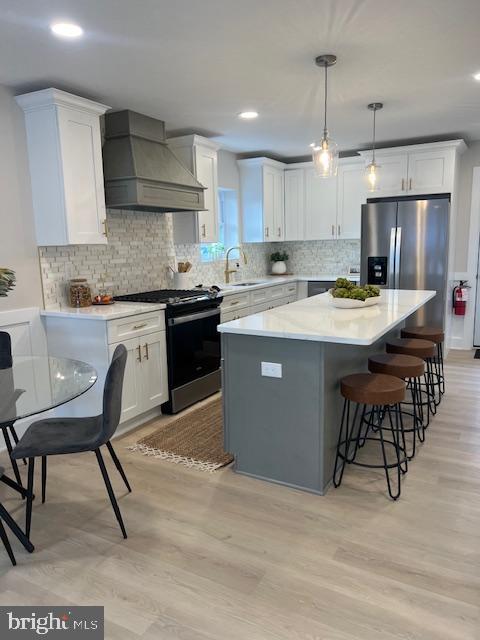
(320, 206)
(256, 300)
(262, 200)
(65, 159)
(145, 385)
(199, 155)
(351, 194)
(422, 169)
(295, 204)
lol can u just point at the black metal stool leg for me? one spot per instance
(343, 426)
(396, 495)
(111, 494)
(118, 465)
(8, 443)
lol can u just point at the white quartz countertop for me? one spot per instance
(317, 319)
(105, 312)
(271, 281)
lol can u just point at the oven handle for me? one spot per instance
(193, 316)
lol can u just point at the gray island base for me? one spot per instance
(285, 429)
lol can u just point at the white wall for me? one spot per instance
(18, 249)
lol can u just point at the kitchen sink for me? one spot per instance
(248, 284)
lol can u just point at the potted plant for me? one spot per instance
(279, 258)
(7, 281)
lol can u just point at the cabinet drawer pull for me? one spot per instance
(139, 357)
(403, 184)
(410, 184)
(140, 326)
(105, 228)
(146, 351)
(279, 232)
(234, 302)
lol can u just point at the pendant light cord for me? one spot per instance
(325, 132)
(373, 146)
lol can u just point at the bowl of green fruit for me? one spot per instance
(348, 295)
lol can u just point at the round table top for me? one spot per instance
(33, 384)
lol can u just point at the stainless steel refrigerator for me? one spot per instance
(405, 246)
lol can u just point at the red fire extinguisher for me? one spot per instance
(460, 297)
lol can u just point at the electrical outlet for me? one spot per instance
(272, 369)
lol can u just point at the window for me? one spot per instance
(228, 228)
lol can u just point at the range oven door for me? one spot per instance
(193, 356)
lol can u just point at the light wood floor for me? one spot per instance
(213, 556)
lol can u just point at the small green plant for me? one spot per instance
(346, 289)
(7, 281)
(279, 256)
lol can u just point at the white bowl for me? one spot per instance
(350, 303)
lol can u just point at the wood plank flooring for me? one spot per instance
(213, 556)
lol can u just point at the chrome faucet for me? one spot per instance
(228, 271)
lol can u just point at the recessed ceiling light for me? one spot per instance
(66, 29)
(476, 76)
(248, 115)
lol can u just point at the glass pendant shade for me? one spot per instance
(325, 157)
(372, 176)
(371, 171)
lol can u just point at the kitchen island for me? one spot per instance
(281, 381)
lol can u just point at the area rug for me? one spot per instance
(194, 439)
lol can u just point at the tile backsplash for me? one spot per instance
(141, 246)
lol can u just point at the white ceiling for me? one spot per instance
(197, 63)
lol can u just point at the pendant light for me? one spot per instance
(372, 168)
(325, 152)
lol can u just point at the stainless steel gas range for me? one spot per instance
(193, 343)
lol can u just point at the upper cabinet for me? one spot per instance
(199, 155)
(262, 200)
(65, 159)
(416, 170)
(324, 208)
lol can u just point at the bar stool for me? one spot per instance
(425, 350)
(410, 369)
(436, 335)
(380, 394)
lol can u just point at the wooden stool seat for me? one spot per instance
(396, 364)
(373, 389)
(434, 334)
(412, 347)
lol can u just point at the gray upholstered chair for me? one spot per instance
(56, 436)
(8, 397)
(6, 518)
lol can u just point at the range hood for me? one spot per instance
(141, 172)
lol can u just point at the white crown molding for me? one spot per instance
(193, 140)
(45, 98)
(458, 145)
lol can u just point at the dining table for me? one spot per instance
(31, 385)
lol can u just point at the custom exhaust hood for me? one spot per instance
(141, 172)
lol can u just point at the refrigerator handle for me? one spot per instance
(398, 249)
(391, 258)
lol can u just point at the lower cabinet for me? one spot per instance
(145, 385)
(257, 300)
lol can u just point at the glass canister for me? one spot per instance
(80, 294)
